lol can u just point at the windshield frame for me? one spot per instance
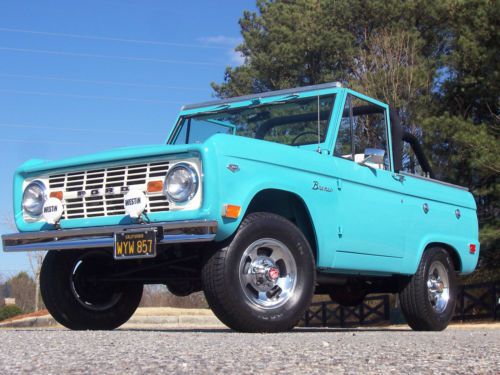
(283, 98)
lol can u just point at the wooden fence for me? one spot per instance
(474, 302)
(478, 302)
(373, 310)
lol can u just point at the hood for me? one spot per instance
(123, 153)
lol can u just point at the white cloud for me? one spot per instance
(221, 40)
(236, 57)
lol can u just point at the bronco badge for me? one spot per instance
(318, 186)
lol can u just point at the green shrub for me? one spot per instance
(9, 311)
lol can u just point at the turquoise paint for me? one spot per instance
(366, 221)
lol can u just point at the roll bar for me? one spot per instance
(398, 136)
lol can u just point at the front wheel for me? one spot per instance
(76, 297)
(428, 299)
(263, 281)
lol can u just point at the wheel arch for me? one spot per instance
(455, 255)
(289, 205)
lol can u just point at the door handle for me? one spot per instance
(398, 177)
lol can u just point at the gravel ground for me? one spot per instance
(306, 351)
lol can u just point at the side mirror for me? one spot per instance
(373, 155)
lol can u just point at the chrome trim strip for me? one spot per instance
(180, 238)
(61, 245)
(107, 230)
(433, 180)
(66, 239)
(267, 94)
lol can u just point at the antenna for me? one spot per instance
(319, 129)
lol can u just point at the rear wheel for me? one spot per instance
(428, 299)
(74, 295)
(263, 281)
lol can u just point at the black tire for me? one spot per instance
(420, 312)
(79, 303)
(351, 294)
(222, 281)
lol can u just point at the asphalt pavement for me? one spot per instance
(473, 350)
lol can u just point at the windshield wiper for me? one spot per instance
(285, 99)
(219, 108)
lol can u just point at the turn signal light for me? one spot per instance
(57, 194)
(472, 248)
(231, 211)
(155, 186)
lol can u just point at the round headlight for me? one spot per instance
(181, 183)
(34, 198)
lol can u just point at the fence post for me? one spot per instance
(494, 298)
(497, 287)
(387, 308)
(323, 314)
(462, 303)
(306, 318)
(497, 298)
(361, 314)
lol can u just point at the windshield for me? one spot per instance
(292, 123)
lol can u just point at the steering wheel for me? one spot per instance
(301, 135)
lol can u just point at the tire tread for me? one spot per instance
(64, 307)
(217, 294)
(414, 299)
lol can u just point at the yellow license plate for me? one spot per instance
(135, 244)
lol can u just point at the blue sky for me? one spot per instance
(81, 77)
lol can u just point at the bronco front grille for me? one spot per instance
(100, 192)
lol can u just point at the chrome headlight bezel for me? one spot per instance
(188, 193)
(43, 197)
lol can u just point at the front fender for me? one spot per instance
(264, 165)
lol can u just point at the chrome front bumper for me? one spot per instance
(102, 237)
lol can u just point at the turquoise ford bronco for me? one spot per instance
(259, 201)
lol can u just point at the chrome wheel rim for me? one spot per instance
(268, 273)
(438, 286)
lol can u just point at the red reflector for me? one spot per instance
(472, 248)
